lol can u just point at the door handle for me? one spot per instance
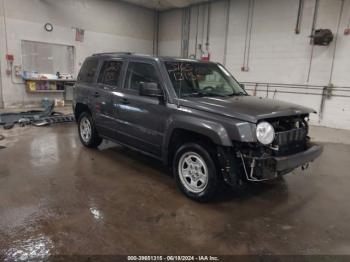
(96, 94)
(125, 101)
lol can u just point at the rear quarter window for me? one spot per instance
(110, 73)
(88, 70)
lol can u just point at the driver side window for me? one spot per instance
(138, 73)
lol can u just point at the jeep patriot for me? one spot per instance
(193, 116)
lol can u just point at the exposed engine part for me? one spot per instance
(251, 175)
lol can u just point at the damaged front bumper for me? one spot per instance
(299, 159)
(236, 165)
(269, 167)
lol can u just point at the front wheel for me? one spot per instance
(195, 172)
(87, 131)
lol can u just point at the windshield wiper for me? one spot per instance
(209, 94)
(238, 94)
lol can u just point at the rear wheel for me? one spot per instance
(87, 131)
(195, 172)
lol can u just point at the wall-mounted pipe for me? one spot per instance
(348, 24)
(316, 90)
(314, 20)
(250, 32)
(1, 98)
(196, 41)
(6, 50)
(228, 7)
(299, 17)
(336, 40)
(185, 35)
(313, 27)
(297, 86)
(207, 43)
(248, 35)
(156, 33)
(203, 27)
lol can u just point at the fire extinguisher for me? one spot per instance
(205, 56)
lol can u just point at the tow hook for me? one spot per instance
(305, 166)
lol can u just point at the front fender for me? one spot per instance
(213, 130)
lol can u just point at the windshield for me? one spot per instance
(202, 79)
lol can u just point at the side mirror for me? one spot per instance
(242, 85)
(151, 89)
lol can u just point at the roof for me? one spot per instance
(145, 56)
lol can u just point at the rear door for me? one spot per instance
(108, 81)
(86, 84)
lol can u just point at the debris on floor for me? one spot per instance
(2, 138)
(36, 117)
(45, 121)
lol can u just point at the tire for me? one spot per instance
(195, 172)
(87, 131)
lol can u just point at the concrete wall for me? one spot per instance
(277, 54)
(109, 26)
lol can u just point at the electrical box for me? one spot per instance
(18, 70)
(10, 57)
(205, 56)
(322, 37)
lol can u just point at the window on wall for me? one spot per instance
(140, 73)
(110, 73)
(47, 58)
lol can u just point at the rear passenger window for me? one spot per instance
(88, 70)
(110, 73)
(140, 73)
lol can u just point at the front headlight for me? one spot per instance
(265, 133)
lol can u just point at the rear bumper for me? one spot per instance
(299, 159)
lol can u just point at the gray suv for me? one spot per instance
(194, 117)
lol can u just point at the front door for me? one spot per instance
(141, 118)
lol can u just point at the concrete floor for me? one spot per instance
(57, 197)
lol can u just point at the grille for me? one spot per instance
(290, 136)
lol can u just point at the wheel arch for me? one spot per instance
(211, 135)
(79, 109)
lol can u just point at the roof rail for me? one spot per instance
(113, 53)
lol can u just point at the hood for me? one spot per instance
(248, 108)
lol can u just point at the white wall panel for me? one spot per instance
(109, 26)
(277, 54)
(170, 33)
